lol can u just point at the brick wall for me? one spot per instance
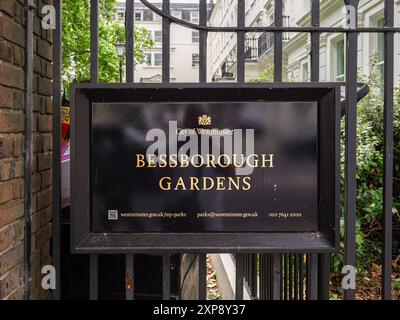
(12, 135)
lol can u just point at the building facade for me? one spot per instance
(184, 42)
(296, 47)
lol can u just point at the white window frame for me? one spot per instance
(194, 13)
(160, 36)
(177, 14)
(334, 59)
(156, 17)
(155, 59)
(140, 14)
(195, 62)
(195, 37)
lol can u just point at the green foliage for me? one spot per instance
(266, 75)
(370, 149)
(76, 42)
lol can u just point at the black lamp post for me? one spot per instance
(120, 45)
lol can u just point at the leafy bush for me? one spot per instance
(370, 171)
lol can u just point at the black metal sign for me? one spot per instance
(213, 168)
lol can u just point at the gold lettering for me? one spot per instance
(194, 183)
(151, 161)
(140, 161)
(246, 181)
(270, 160)
(205, 187)
(220, 183)
(168, 184)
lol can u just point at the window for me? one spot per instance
(177, 14)
(304, 72)
(158, 36)
(153, 59)
(195, 59)
(148, 59)
(195, 36)
(121, 15)
(138, 16)
(340, 63)
(194, 16)
(156, 17)
(157, 59)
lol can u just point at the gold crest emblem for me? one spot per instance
(204, 120)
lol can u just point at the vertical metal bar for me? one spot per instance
(57, 38)
(129, 34)
(94, 286)
(278, 41)
(94, 77)
(350, 149)
(315, 42)
(276, 269)
(254, 278)
(28, 147)
(313, 293)
(285, 276)
(323, 259)
(388, 154)
(203, 42)
(94, 41)
(129, 276)
(308, 282)
(166, 28)
(166, 276)
(239, 276)
(323, 276)
(268, 270)
(263, 276)
(301, 276)
(296, 277)
(240, 42)
(290, 277)
(202, 276)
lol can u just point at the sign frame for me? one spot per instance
(326, 240)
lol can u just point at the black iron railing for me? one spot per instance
(274, 275)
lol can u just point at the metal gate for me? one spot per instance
(288, 276)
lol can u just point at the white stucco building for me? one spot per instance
(296, 48)
(184, 42)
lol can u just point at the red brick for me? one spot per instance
(18, 145)
(11, 30)
(10, 281)
(6, 146)
(44, 86)
(44, 50)
(17, 294)
(11, 257)
(36, 182)
(11, 121)
(10, 190)
(11, 212)
(10, 169)
(47, 142)
(47, 179)
(43, 199)
(7, 6)
(45, 123)
(44, 161)
(6, 97)
(5, 51)
(11, 75)
(11, 235)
